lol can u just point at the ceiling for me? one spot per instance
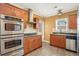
(48, 9)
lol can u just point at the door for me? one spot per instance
(62, 40)
(37, 42)
(7, 9)
(10, 44)
(54, 40)
(31, 43)
(73, 21)
(26, 45)
(22, 14)
(11, 27)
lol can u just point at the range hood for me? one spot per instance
(30, 12)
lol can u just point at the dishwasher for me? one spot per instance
(71, 42)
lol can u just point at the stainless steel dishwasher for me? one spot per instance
(71, 42)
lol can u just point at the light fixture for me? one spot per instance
(60, 12)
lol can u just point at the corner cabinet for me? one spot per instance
(31, 43)
(58, 40)
(73, 21)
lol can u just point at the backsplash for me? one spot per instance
(65, 31)
(29, 29)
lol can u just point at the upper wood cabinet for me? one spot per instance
(10, 10)
(36, 20)
(6, 9)
(73, 21)
(22, 14)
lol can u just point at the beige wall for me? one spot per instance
(50, 23)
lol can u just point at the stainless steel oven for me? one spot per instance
(10, 43)
(10, 25)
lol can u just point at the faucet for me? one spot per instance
(60, 30)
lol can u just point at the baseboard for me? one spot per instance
(46, 41)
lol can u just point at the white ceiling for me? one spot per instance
(47, 9)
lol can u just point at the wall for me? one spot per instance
(50, 23)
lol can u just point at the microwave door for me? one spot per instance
(6, 28)
(11, 27)
(18, 28)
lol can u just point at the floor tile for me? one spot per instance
(48, 50)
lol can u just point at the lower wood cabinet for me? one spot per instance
(58, 40)
(26, 45)
(31, 43)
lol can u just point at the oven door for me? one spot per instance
(11, 27)
(10, 44)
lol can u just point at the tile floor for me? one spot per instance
(48, 50)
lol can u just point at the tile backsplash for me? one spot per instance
(65, 31)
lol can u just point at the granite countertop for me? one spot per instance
(58, 33)
(30, 34)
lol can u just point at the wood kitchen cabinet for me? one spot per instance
(37, 42)
(26, 45)
(22, 14)
(58, 40)
(31, 43)
(7, 9)
(36, 23)
(62, 39)
(11, 10)
(73, 21)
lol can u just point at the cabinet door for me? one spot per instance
(31, 43)
(26, 45)
(73, 21)
(25, 18)
(62, 41)
(54, 40)
(58, 40)
(6, 9)
(22, 14)
(37, 42)
(18, 13)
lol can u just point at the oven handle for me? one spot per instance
(10, 21)
(12, 37)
